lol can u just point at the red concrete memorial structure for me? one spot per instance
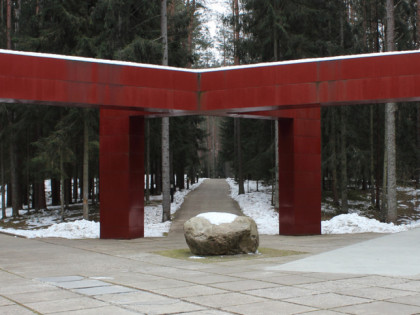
(125, 93)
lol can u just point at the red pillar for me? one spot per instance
(121, 174)
(300, 172)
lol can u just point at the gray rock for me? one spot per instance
(207, 237)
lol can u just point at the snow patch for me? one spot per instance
(71, 230)
(257, 205)
(153, 226)
(218, 218)
(354, 223)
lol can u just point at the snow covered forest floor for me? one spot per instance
(256, 204)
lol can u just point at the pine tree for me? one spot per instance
(418, 105)
(390, 109)
(166, 184)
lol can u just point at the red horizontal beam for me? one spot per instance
(262, 89)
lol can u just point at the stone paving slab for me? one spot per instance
(377, 256)
(105, 310)
(24, 286)
(375, 293)
(281, 292)
(40, 296)
(166, 307)
(4, 301)
(208, 312)
(408, 300)
(193, 290)
(327, 300)
(14, 309)
(160, 285)
(80, 284)
(322, 312)
(242, 285)
(224, 299)
(134, 297)
(406, 286)
(61, 279)
(268, 308)
(380, 308)
(103, 290)
(65, 305)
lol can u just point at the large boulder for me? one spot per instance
(219, 233)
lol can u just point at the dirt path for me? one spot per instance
(211, 196)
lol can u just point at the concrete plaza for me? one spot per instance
(337, 274)
(59, 276)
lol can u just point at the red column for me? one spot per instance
(300, 172)
(121, 174)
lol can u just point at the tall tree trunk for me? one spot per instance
(1, 12)
(55, 192)
(390, 109)
(27, 180)
(276, 168)
(14, 173)
(17, 8)
(343, 158)
(275, 33)
(237, 121)
(75, 183)
(147, 160)
(67, 192)
(333, 144)
(235, 7)
(9, 194)
(391, 162)
(62, 189)
(158, 179)
(85, 165)
(418, 105)
(378, 160)
(372, 163)
(418, 24)
(164, 31)
(418, 147)
(166, 184)
(9, 25)
(15, 187)
(241, 189)
(39, 196)
(3, 191)
(191, 6)
(276, 122)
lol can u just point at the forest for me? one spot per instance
(61, 144)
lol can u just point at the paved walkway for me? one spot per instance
(211, 196)
(59, 276)
(391, 255)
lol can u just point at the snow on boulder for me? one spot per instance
(219, 233)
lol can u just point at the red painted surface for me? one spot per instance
(121, 174)
(300, 172)
(292, 92)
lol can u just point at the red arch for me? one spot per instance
(292, 92)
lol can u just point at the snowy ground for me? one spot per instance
(44, 224)
(256, 204)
